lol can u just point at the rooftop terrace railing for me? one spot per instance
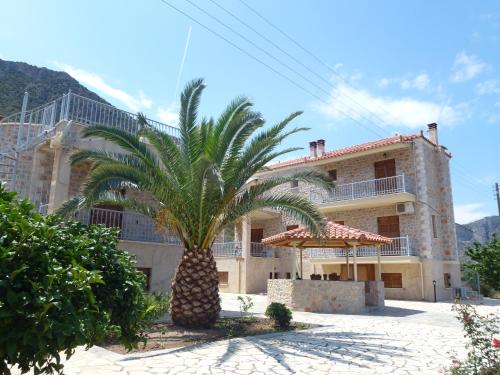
(38, 123)
(400, 246)
(364, 189)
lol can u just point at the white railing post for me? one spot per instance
(404, 183)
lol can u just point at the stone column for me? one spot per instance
(246, 229)
(59, 185)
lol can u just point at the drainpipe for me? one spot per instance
(422, 280)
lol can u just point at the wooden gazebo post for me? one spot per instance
(347, 261)
(355, 263)
(379, 266)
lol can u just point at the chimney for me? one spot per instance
(433, 132)
(313, 149)
(321, 147)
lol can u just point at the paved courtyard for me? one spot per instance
(403, 338)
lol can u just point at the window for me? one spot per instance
(434, 226)
(447, 280)
(341, 222)
(392, 280)
(276, 275)
(147, 275)
(333, 174)
(293, 226)
(223, 277)
(294, 184)
(288, 275)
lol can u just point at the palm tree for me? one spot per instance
(198, 183)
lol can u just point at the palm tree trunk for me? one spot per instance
(195, 290)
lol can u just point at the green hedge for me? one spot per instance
(62, 285)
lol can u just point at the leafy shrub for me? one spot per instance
(281, 314)
(62, 285)
(246, 303)
(485, 260)
(483, 335)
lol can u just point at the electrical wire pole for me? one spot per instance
(497, 194)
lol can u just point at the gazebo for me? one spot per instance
(328, 296)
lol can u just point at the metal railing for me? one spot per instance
(133, 226)
(43, 208)
(39, 123)
(364, 189)
(260, 250)
(88, 111)
(227, 249)
(400, 246)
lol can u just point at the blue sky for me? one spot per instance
(389, 67)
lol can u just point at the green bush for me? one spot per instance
(62, 285)
(281, 314)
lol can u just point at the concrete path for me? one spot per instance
(403, 338)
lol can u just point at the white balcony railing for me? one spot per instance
(364, 189)
(227, 249)
(400, 246)
(137, 227)
(133, 226)
(260, 250)
(39, 123)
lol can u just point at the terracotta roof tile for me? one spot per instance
(351, 150)
(332, 231)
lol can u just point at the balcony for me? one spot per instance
(227, 249)
(400, 247)
(137, 227)
(133, 226)
(369, 193)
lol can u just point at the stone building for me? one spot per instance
(398, 187)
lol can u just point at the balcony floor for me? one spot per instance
(369, 202)
(385, 259)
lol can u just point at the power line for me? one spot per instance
(279, 61)
(234, 45)
(307, 51)
(310, 70)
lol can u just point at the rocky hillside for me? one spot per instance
(42, 84)
(481, 230)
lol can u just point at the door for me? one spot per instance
(366, 272)
(388, 226)
(256, 235)
(384, 169)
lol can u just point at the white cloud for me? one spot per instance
(466, 213)
(489, 86)
(419, 82)
(466, 67)
(96, 82)
(168, 115)
(346, 101)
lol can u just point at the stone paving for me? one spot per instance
(403, 338)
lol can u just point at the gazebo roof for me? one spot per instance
(333, 235)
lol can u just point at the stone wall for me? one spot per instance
(318, 296)
(375, 295)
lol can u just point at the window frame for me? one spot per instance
(221, 282)
(390, 276)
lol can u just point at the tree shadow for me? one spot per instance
(337, 347)
(396, 312)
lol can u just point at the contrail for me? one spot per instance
(181, 67)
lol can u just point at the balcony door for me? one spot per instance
(388, 226)
(256, 235)
(384, 169)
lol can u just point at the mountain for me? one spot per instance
(42, 84)
(481, 230)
